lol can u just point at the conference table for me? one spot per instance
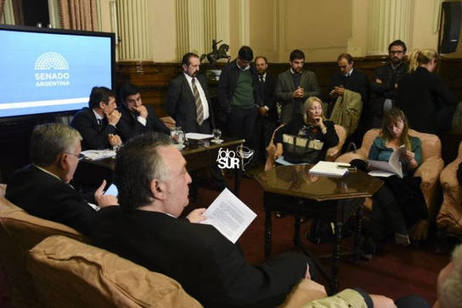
(90, 173)
(293, 190)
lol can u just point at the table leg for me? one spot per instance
(267, 228)
(357, 240)
(338, 240)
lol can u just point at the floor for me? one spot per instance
(396, 272)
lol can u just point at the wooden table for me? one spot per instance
(90, 173)
(327, 199)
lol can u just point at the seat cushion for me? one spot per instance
(68, 273)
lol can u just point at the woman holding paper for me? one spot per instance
(307, 137)
(399, 203)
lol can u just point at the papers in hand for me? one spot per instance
(388, 168)
(198, 136)
(229, 215)
(98, 154)
(328, 168)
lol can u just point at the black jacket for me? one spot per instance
(42, 195)
(129, 126)
(426, 101)
(94, 136)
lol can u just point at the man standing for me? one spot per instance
(188, 100)
(137, 118)
(98, 123)
(384, 86)
(42, 188)
(237, 95)
(151, 176)
(294, 86)
(267, 113)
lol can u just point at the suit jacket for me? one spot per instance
(426, 101)
(208, 266)
(94, 136)
(357, 82)
(284, 88)
(181, 106)
(266, 95)
(129, 126)
(42, 195)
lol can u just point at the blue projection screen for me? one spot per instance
(45, 72)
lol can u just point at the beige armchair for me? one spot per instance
(429, 171)
(331, 154)
(449, 218)
(19, 232)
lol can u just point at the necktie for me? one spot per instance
(100, 124)
(198, 102)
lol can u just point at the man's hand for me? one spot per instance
(378, 81)
(339, 90)
(298, 93)
(196, 215)
(263, 111)
(168, 121)
(104, 200)
(381, 301)
(113, 118)
(114, 140)
(141, 111)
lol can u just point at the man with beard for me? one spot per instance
(294, 86)
(384, 86)
(138, 118)
(188, 100)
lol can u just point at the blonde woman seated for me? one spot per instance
(307, 137)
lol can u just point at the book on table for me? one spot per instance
(328, 168)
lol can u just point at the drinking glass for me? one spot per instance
(216, 134)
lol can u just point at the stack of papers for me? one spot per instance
(98, 154)
(198, 136)
(327, 168)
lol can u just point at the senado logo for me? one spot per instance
(51, 70)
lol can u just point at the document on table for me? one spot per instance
(328, 168)
(229, 215)
(98, 154)
(198, 136)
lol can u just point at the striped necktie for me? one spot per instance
(198, 102)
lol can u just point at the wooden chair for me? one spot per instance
(429, 171)
(449, 219)
(331, 154)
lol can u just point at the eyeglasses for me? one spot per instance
(394, 52)
(79, 156)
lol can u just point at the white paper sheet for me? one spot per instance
(229, 215)
(328, 168)
(98, 154)
(197, 136)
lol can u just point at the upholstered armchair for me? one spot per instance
(429, 171)
(331, 154)
(449, 218)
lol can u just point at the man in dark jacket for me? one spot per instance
(237, 96)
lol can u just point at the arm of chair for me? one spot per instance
(333, 153)
(451, 186)
(429, 171)
(347, 157)
(304, 292)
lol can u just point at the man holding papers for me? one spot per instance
(152, 180)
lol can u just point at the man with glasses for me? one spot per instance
(384, 86)
(98, 122)
(42, 188)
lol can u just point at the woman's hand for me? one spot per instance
(278, 152)
(319, 122)
(409, 156)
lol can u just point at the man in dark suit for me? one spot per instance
(188, 100)
(348, 78)
(137, 118)
(294, 86)
(98, 123)
(42, 188)
(267, 112)
(384, 86)
(151, 176)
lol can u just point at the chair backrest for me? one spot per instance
(69, 273)
(431, 144)
(19, 232)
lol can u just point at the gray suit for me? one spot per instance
(284, 88)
